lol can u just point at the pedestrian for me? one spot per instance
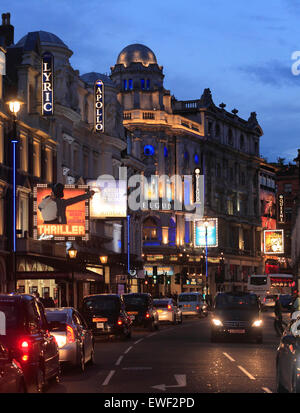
(278, 323)
(296, 302)
(47, 301)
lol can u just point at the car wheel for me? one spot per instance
(81, 361)
(92, 359)
(279, 387)
(152, 326)
(40, 380)
(174, 322)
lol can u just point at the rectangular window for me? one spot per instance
(130, 84)
(148, 84)
(143, 84)
(36, 159)
(1, 143)
(125, 84)
(288, 188)
(229, 207)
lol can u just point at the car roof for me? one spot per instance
(141, 294)
(60, 310)
(192, 292)
(102, 295)
(14, 297)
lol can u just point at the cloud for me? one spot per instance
(272, 73)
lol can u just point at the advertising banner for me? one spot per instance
(109, 200)
(206, 234)
(99, 105)
(61, 212)
(273, 242)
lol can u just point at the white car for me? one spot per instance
(168, 310)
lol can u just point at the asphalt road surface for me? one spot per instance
(177, 359)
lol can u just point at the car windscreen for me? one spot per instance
(161, 304)
(258, 281)
(101, 305)
(9, 317)
(56, 316)
(187, 298)
(236, 302)
(135, 302)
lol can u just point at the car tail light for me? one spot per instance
(24, 347)
(120, 322)
(147, 315)
(70, 335)
(169, 307)
(197, 308)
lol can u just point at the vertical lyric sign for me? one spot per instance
(99, 106)
(47, 84)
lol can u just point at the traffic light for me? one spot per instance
(161, 279)
(154, 276)
(178, 278)
(168, 279)
(146, 281)
(184, 275)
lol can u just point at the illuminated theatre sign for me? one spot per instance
(99, 105)
(47, 84)
(206, 233)
(63, 216)
(273, 242)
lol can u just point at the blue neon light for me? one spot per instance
(149, 150)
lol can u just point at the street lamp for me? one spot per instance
(103, 259)
(14, 107)
(72, 255)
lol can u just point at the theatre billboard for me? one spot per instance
(206, 233)
(274, 242)
(109, 200)
(61, 212)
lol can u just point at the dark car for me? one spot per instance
(236, 314)
(105, 315)
(287, 360)
(24, 332)
(11, 373)
(140, 308)
(73, 336)
(286, 301)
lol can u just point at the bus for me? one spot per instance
(271, 284)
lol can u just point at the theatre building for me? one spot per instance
(58, 144)
(174, 137)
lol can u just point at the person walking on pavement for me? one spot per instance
(47, 301)
(278, 323)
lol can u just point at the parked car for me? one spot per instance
(25, 333)
(74, 338)
(236, 314)
(287, 358)
(105, 315)
(168, 310)
(192, 304)
(11, 373)
(140, 308)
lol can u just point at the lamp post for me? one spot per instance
(14, 107)
(72, 255)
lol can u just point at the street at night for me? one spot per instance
(150, 363)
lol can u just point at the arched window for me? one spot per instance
(150, 230)
(230, 137)
(218, 130)
(242, 142)
(143, 84)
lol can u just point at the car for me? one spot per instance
(236, 314)
(105, 315)
(141, 310)
(168, 310)
(287, 358)
(73, 336)
(286, 301)
(25, 333)
(268, 301)
(11, 373)
(192, 304)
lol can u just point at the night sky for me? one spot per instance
(239, 49)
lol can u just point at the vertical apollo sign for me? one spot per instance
(99, 106)
(47, 84)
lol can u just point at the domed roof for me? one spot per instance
(46, 39)
(90, 78)
(136, 53)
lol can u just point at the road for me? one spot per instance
(177, 359)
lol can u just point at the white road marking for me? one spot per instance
(106, 381)
(228, 356)
(137, 342)
(127, 351)
(266, 390)
(247, 373)
(119, 360)
(151, 335)
(181, 382)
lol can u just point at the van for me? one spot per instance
(192, 304)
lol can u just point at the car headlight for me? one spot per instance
(257, 323)
(217, 322)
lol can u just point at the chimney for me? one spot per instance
(7, 30)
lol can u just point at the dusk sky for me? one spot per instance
(241, 50)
